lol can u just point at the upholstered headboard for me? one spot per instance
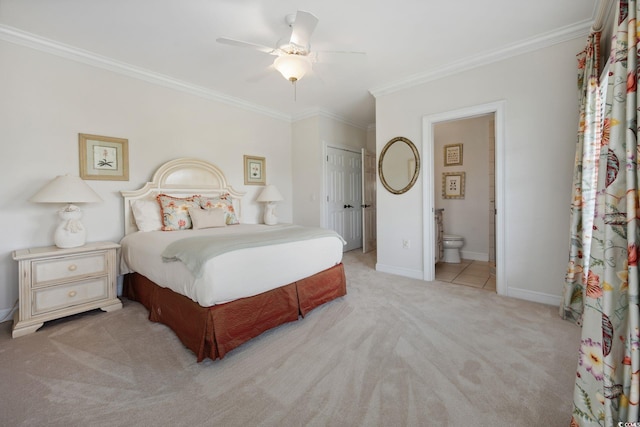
(181, 178)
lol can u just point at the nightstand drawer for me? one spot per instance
(56, 297)
(49, 270)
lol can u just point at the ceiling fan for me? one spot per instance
(294, 56)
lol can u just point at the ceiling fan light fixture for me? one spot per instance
(292, 67)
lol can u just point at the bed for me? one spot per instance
(256, 279)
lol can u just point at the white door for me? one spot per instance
(344, 195)
(368, 201)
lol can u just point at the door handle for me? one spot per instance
(365, 206)
(347, 206)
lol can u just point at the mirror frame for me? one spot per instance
(416, 172)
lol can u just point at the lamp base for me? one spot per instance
(270, 217)
(70, 232)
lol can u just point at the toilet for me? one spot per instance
(452, 244)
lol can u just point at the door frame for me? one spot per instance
(428, 188)
(365, 248)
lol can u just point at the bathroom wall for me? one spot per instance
(468, 217)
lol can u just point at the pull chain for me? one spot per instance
(293, 81)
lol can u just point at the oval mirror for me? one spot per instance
(399, 165)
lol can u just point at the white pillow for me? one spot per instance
(207, 218)
(147, 215)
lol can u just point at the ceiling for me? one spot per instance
(406, 41)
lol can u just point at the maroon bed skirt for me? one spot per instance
(214, 331)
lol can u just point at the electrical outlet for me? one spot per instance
(406, 244)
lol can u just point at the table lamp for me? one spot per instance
(270, 194)
(67, 189)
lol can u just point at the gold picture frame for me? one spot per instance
(103, 157)
(453, 155)
(453, 185)
(255, 172)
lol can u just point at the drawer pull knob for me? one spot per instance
(73, 267)
(72, 294)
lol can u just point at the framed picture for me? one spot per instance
(103, 157)
(453, 185)
(453, 155)
(255, 172)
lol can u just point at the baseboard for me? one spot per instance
(523, 294)
(474, 256)
(534, 296)
(399, 271)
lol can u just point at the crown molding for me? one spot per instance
(23, 38)
(16, 36)
(580, 29)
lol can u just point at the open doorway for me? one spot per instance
(432, 179)
(465, 148)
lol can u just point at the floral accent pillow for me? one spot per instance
(221, 202)
(175, 211)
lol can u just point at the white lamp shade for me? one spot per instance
(293, 67)
(270, 194)
(66, 189)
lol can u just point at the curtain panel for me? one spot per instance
(601, 286)
(584, 179)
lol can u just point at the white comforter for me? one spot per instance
(232, 275)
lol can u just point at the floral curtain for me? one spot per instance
(584, 178)
(601, 288)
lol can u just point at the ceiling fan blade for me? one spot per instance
(261, 48)
(303, 27)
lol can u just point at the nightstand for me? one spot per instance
(57, 282)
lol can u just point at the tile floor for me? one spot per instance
(477, 274)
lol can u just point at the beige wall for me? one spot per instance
(371, 139)
(310, 138)
(538, 89)
(47, 100)
(306, 154)
(43, 112)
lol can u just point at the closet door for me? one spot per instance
(344, 195)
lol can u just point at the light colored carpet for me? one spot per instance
(393, 352)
